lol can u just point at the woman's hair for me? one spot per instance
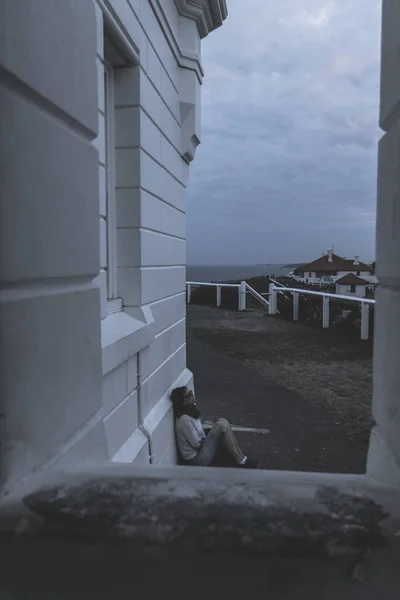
(178, 399)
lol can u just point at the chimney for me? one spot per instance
(330, 255)
(356, 260)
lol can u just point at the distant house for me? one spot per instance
(335, 266)
(351, 285)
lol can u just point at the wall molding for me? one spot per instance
(185, 59)
(208, 14)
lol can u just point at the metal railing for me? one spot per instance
(365, 303)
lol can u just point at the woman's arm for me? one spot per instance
(191, 435)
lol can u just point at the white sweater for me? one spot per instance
(190, 435)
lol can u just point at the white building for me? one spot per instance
(100, 119)
(332, 265)
(351, 285)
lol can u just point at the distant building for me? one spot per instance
(351, 285)
(335, 266)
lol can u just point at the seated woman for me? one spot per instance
(194, 446)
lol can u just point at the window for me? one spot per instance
(352, 289)
(110, 185)
(359, 273)
(116, 79)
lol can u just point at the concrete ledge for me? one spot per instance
(198, 510)
(83, 533)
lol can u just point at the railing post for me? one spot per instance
(189, 293)
(218, 296)
(242, 296)
(295, 306)
(272, 299)
(325, 312)
(364, 320)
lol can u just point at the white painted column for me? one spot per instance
(295, 306)
(218, 296)
(242, 296)
(272, 299)
(384, 452)
(325, 312)
(364, 320)
(189, 293)
(50, 378)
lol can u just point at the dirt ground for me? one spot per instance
(311, 388)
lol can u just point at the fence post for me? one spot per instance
(295, 306)
(364, 320)
(242, 296)
(218, 295)
(325, 312)
(189, 293)
(272, 299)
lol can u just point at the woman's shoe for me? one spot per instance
(250, 464)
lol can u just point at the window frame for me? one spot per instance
(111, 228)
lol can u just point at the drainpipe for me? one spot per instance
(140, 411)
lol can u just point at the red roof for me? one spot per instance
(338, 264)
(351, 279)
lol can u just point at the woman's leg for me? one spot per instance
(223, 430)
(207, 452)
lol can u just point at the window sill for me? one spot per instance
(123, 334)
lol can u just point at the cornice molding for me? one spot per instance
(208, 14)
(185, 59)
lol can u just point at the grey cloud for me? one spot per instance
(289, 135)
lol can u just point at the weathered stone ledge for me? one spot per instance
(181, 509)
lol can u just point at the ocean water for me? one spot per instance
(220, 273)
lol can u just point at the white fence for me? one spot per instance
(365, 303)
(242, 287)
(256, 295)
(272, 305)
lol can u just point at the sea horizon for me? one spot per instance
(213, 273)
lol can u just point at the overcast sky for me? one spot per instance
(287, 164)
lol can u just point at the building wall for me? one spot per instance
(150, 185)
(150, 190)
(49, 308)
(81, 383)
(384, 450)
(345, 290)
